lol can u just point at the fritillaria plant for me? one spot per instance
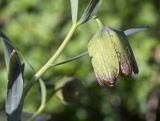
(110, 51)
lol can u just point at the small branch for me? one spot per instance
(99, 22)
(43, 101)
(57, 54)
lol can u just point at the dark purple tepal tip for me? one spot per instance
(107, 81)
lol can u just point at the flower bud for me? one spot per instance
(72, 91)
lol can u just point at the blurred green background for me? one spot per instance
(38, 27)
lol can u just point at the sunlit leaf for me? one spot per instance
(74, 10)
(26, 116)
(14, 101)
(90, 11)
(8, 48)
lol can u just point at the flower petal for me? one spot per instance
(124, 52)
(104, 58)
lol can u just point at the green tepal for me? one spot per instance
(111, 55)
(104, 58)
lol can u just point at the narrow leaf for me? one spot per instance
(71, 59)
(14, 101)
(25, 116)
(90, 11)
(8, 48)
(74, 10)
(131, 31)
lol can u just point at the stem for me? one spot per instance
(51, 60)
(99, 22)
(57, 54)
(43, 101)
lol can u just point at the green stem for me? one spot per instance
(51, 60)
(43, 101)
(57, 54)
(99, 22)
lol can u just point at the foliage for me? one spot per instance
(37, 28)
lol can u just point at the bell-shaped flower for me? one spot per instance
(111, 55)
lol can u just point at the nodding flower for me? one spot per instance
(111, 55)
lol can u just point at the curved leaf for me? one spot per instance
(131, 31)
(8, 48)
(74, 10)
(14, 101)
(90, 11)
(43, 101)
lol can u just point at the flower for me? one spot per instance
(111, 55)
